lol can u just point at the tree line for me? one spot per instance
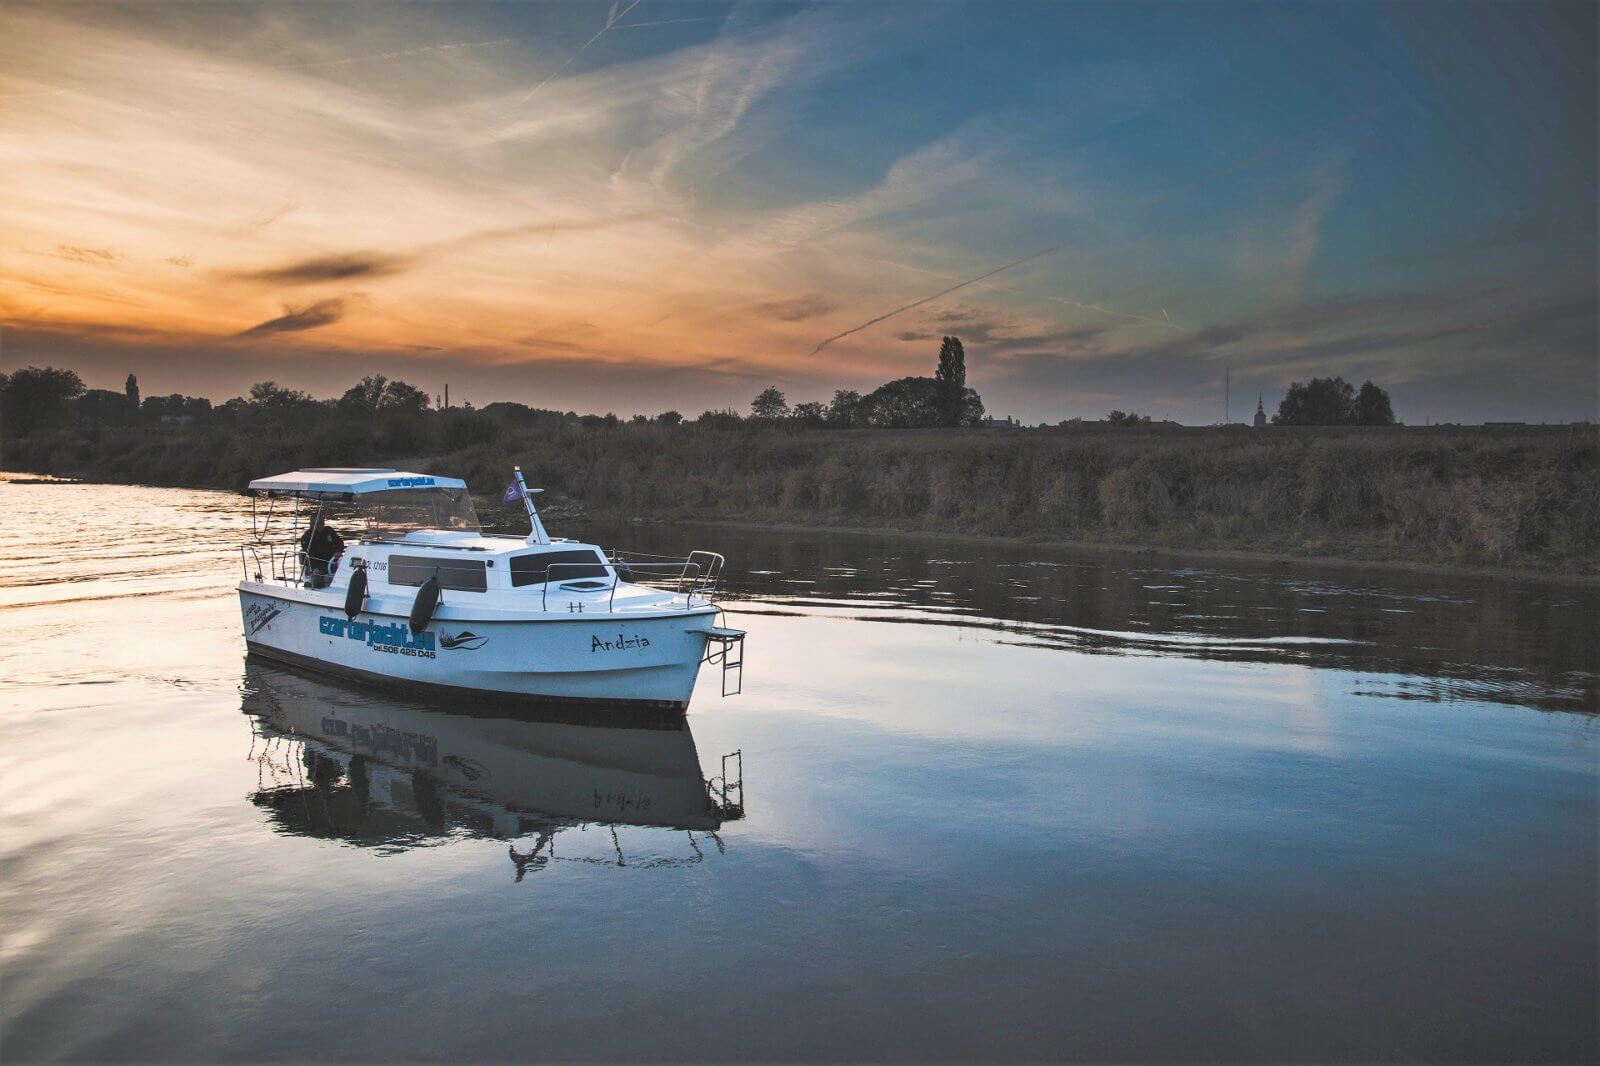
(39, 398)
(401, 415)
(942, 400)
(1334, 402)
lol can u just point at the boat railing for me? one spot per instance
(268, 560)
(694, 577)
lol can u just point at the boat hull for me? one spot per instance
(623, 660)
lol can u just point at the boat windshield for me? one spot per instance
(400, 511)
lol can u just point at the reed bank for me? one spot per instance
(1522, 497)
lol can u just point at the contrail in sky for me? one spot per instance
(943, 292)
(611, 20)
(1164, 320)
(1232, 168)
(661, 22)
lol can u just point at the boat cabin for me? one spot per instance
(404, 528)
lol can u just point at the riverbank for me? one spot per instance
(1185, 555)
(1456, 499)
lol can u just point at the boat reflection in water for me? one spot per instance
(357, 765)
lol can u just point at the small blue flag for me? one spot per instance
(513, 492)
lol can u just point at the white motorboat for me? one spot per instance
(418, 596)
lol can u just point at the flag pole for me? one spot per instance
(537, 535)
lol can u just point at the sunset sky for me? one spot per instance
(632, 208)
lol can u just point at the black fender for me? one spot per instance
(356, 595)
(423, 606)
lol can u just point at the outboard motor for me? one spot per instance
(423, 606)
(357, 593)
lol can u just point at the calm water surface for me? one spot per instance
(999, 804)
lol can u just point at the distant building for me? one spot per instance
(1261, 414)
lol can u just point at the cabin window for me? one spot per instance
(396, 512)
(463, 575)
(575, 565)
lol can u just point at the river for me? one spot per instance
(1000, 803)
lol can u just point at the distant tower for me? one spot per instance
(1261, 414)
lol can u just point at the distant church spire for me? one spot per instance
(1261, 414)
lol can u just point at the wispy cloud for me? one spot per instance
(345, 266)
(1303, 235)
(715, 198)
(325, 268)
(998, 337)
(1433, 344)
(407, 53)
(79, 254)
(297, 319)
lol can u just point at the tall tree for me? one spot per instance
(769, 403)
(1372, 407)
(950, 381)
(130, 389)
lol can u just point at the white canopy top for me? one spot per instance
(340, 481)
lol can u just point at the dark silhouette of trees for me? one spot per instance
(769, 404)
(130, 389)
(1334, 402)
(1319, 402)
(32, 397)
(380, 414)
(1127, 418)
(950, 382)
(972, 412)
(103, 405)
(923, 403)
(842, 409)
(728, 419)
(402, 397)
(459, 428)
(365, 396)
(905, 403)
(377, 393)
(1373, 407)
(270, 396)
(176, 405)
